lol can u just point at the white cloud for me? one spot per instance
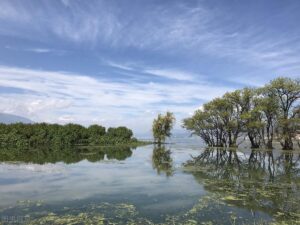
(172, 74)
(63, 97)
(176, 29)
(36, 50)
(39, 50)
(119, 65)
(66, 119)
(45, 50)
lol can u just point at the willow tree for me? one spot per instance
(221, 120)
(240, 101)
(267, 104)
(258, 114)
(287, 93)
(254, 126)
(162, 127)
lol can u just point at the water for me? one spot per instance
(180, 183)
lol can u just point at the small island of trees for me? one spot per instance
(261, 114)
(54, 135)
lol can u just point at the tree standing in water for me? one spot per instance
(162, 127)
(265, 113)
(287, 92)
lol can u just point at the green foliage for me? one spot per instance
(95, 132)
(120, 133)
(287, 93)
(162, 160)
(42, 134)
(162, 127)
(67, 155)
(259, 114)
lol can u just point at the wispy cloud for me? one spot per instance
(39, 50)
(190, 28)
(36, 50)
(139, 69)
(121, 66)
(172, 74)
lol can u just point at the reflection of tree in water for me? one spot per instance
(162, 160)
(119, 154)
(259, 181)
(67, 155)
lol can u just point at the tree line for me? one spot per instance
(264, 114)
(43, 134)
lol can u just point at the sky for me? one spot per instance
(122, 62)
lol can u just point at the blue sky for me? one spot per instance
(122, 62)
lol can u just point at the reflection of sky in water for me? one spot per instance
(253, 185)
(133, 180)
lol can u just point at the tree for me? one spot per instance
(162, 127)
(268, 105)
(120, 132)
(55, 135)
(219, 113)
(287, 92)
(95, 132)
(251, 118)
(240, 100)
(220, 122)
(255, 113)
(199, 124)
(254, 126)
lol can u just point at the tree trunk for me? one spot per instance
(269, 144)
(287, 144)
(254, 143)
(287, 138)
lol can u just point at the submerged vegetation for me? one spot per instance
(92, 213)
(42, 134)
(261, 114)
(257, 180)
(39, 212)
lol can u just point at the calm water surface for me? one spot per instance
(180, 183)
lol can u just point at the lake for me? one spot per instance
(179, 183)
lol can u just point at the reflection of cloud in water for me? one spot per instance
(45, 168)
(133, 177)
